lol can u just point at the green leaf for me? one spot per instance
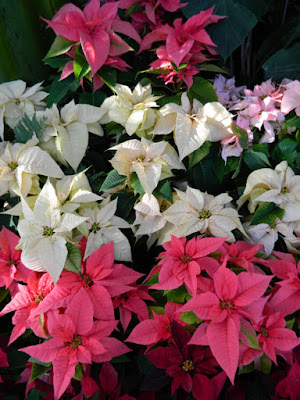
(190, 318)
(36, 361)
(3, 293)
(166, 100)
(81, 66)
(112, 180)
(202, 90)
(157, 310)
(238, 168)
(255, 159)
(134, 8)
(267, 213)
(78, 372)
(38, 370)
(285, 150)
(197, 155)
(265, 364)
(177, 295)
(251, 339)
(290, 323)
(152, 281)
(95, 98)
(120, 359)
(126, 201)
(164, 191)
(109, 76)
(112, 128)
(27, 127)
(59, 61)
(213, 68)
(258, 7)
(241, 134)
(73, 261)
(136, 184)
(284, 64)
(295, 122)
(230, 32)
(59, 89)
(58, 47)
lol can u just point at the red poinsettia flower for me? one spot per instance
(189, 366)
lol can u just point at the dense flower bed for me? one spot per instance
(158, 257)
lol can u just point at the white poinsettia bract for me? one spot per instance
(21, 163)
(44, 232)
(195, 211)
(151, 161)
(193, 124)
(66, 132)
(16, 101)
(132, 109)
(103, 226)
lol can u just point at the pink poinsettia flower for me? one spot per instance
(109, 388)
(242, 254)
(94, 28)
(189, 366)
(101, 279)
(291, 98)
(171, 74)
(153, 10)
(183, 261)
(132, 302)
(262, 108)
(287, 298)
(159, 329)
(76, 338)
(183, 39)
(234, 297)
(288, 388)
(273, 338)
(25, 302)
(11, 267)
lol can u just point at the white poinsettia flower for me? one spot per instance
(149, 217)
(20, 164)
(195, 211)
(280, 186)
(103, 226)
(268, 234)
(73, 190)
(133, 109)
(193, 124)
(151, 161)
(44, 232)
(16, 100)
(65, 135)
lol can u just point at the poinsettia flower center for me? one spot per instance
(39, 298)
(186, 259)
(13, 165)
(95, 228)
(226, 305)
(263, 331)
(284, 190)
(48, 231)
(168, 327)
(11, 262)
(204, 214)
(187, 365)
(17, 101)
(87, 280)
(75, 342)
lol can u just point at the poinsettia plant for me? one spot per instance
(150, 244)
